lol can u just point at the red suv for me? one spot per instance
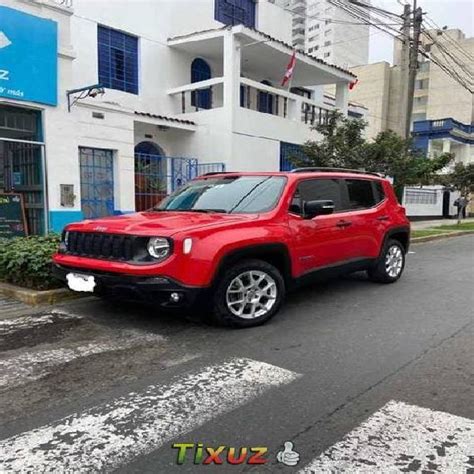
(240, 241)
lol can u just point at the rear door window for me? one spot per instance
(379, 192)
(360, 194)
(320, 189)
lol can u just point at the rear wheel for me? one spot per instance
(248, 294)
(390, 265)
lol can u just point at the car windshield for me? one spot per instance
(232, 194)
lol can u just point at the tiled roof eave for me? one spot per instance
(165, 118)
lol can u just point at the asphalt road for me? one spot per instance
(91, 387)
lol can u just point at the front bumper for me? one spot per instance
(156, 290)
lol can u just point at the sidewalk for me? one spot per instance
(420, 225)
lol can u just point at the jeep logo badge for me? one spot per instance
(100, 229)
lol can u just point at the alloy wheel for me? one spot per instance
(252, 294)
(394, 261)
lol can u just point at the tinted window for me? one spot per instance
(378, 191)
(233, 194)
(360, 194)
(320, 189)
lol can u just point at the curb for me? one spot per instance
(35, 297)
(445, 235)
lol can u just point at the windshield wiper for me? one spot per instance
(208, 211)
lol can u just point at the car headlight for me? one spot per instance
(159, 247)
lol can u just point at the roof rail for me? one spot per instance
(211, 173)
(313, 169)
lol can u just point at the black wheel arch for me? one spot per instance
(402, 234)
(276, 254)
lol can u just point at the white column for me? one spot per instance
(342, 97)
(232, 57)
(446, 145)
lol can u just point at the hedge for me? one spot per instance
(26, 261)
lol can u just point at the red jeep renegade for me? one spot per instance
(239, 241)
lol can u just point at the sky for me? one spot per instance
(453, 13)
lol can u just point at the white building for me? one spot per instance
(329, 33)
(185, 92)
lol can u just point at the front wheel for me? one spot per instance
(248, 294)
(390, 265)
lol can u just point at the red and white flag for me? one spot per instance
(290, 69)
(353, 84)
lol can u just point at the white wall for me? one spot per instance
(242, 139)
(274, 21)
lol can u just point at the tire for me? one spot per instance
(390, 265)
(249, 287)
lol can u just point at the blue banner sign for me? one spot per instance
(28, 57)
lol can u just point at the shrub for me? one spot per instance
(26, 261)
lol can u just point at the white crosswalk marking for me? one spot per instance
(35, 364)
(8, 326)
(402, 438)
(110, 435)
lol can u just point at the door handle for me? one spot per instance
(344, 224)
(383, 218)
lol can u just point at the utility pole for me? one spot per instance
(405, 103)
(413, 68)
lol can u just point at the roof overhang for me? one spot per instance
(165, 121)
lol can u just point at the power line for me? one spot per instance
(447, 70)
(449, 38)
(443, 47)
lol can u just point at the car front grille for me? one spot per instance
(109, 246)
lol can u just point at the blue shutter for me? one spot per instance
(235, 12)
(118, 60)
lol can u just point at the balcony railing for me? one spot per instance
(270, 100)
(255, 96)
(442, 125)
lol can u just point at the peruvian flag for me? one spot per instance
(353, 84)
(290, 69)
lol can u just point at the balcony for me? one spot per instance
(249, 65)
(254, 96)
(442, 126)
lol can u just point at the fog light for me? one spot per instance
(175, 297)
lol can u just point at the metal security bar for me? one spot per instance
(157, 176)
(97, 182)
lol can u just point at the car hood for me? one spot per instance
(163, 224)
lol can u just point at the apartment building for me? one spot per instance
(443, 110)
(104, 111)
(328, 32)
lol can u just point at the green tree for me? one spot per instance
(461, 178)
(343, 146)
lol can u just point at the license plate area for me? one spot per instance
(80, 282)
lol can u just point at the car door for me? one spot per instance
(365, 202)
(321, 241)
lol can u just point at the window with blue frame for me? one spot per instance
(201, 71)
(235, 12)
(118, 60)
(265, 100)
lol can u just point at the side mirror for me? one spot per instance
(318, 208)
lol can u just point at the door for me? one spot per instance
(324, 240)
(97, 182)
(22, 172)
(369, 219)
(201, 71)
